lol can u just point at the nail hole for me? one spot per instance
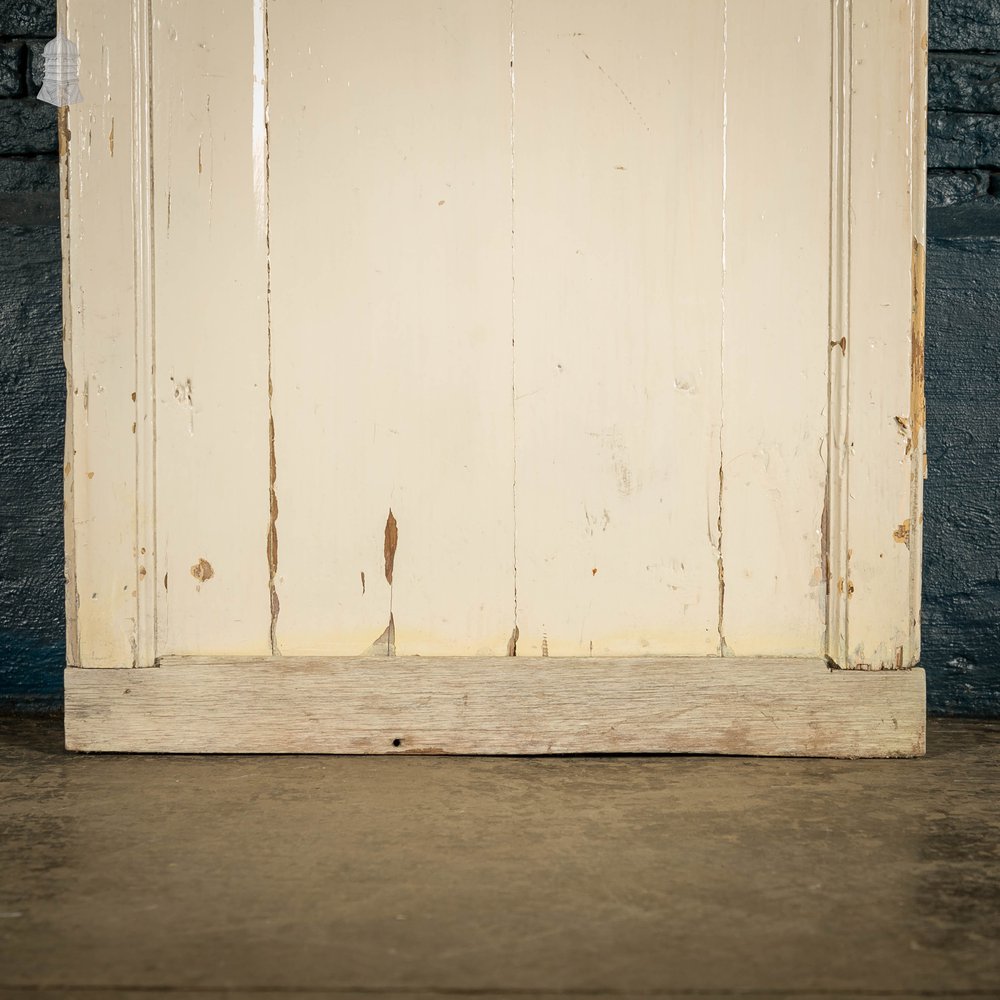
(397, 743)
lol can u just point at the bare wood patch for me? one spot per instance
(902, 533)
(389, 545)
(512, 642)
(201, 571)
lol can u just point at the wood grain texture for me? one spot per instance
(390, 181)
(497, 706)
(838, 444)
(99, 155)
(886, 413)
(617, 319)
(211, 329)
(774, 291)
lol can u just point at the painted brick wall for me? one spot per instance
(961, 606)
(962, 515)
(32, 378)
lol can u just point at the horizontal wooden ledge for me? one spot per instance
(772, 707)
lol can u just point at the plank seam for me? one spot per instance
(145, 637)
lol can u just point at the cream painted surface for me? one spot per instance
(776, 331)
(100, 326)
(212, 335)
(390, 198)
(881, 505)
(534, 312)
(617, 318)
(838, 440)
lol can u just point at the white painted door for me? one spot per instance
(567, 328)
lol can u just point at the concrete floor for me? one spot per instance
(418, 876)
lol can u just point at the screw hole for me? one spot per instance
(397, 742)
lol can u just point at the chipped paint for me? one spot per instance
(512, 642)
(62, 124)
(902, 533)
(202, 571)
(389, 545)
(362, 583)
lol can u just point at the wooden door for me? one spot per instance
(496, 377)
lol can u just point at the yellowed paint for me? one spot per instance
(212, 329)
(775, 334)
(550, 328)
(618, 174)
(390, 290)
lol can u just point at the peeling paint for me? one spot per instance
(385, 644)
(362, 583)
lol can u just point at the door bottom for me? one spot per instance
(423, 705)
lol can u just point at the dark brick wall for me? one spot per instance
(32, 378)
(961, 620)
(961, 604)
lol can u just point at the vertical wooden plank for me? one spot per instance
(390, 194)
(211, 327)
(145, 336)
(838, 434)
(617, 314)
(885, 413)
(97, 142)
(776, 328)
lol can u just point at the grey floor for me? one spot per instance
(138, 876)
